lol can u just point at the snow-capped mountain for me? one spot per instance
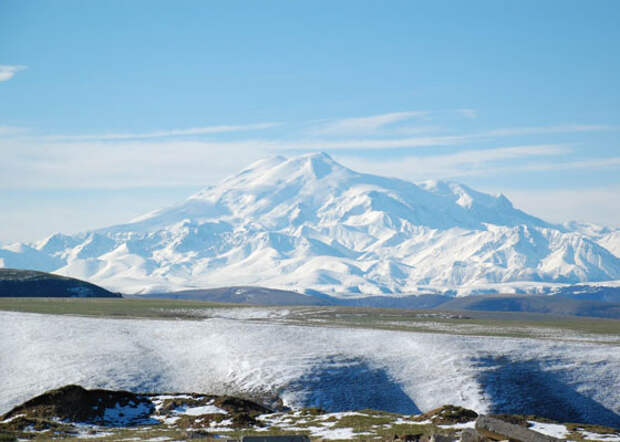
(310, 223)
(604, 236)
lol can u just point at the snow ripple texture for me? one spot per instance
(310, 223)
(337, 369)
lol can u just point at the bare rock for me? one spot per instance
(471, 435)
(496, 429)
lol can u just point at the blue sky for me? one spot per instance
(111, 108)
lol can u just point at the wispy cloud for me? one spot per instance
(595, 163)
(326, 142)
(165, 158)
(200, 156)
(459, 164)
(313, 143)
(567, 128)
(8, 71)
(365, 125)
(332, 135)
(208, 130)
(122, 164)
(372, 124)
(339, 143)
(369, 143)
(182, 162)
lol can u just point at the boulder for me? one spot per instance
(471, 435)
(496, 429)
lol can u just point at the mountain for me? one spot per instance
(309, 223)
(604, 236)
(27, 284)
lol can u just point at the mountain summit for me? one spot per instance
(308, 222)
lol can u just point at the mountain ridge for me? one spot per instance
(310, 223)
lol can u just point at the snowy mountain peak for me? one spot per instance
(308, 222)
(465, 196)
(308, 167)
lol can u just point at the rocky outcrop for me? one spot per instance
(449, 415)
(76, 404)
(496, 429)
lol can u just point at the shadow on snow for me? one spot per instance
(351, 384)
(524, 387)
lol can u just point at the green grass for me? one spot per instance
(485, 324)
(475, 323)
(109, 307)
(361, 423)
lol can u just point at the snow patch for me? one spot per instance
(554, 430)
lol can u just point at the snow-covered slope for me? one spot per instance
(310, 223)
(611, 241)
(604, 236)
(332, 368)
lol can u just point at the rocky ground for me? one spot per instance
(73, 412)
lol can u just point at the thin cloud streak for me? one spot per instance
(569, 128)
(208, 130)
(158, 159)
(441, 140)
(8, 71)
(174, 163)
(467, 163)
(370, 143)
(598, 163)
(99, 164)
(327, 143)
(329, 137)
(478, 163)
(427, 141)
(365, 125)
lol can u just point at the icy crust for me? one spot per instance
(311, 223)
(332, 368)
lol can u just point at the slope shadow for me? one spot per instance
(524, 387)
(351, 384)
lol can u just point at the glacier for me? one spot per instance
(310, 223)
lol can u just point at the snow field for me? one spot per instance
(305, 366)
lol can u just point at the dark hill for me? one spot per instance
(564, 304)
(29, 283)
(267, 296)
(554, 305)
(246, 295)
